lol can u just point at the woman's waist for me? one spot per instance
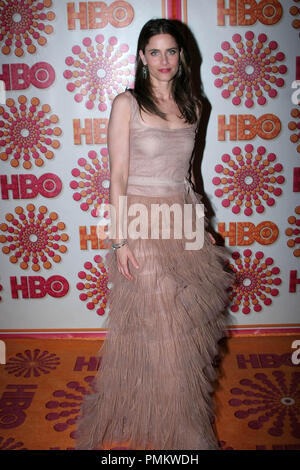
(154, 185)
(155, 180)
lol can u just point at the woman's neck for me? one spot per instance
(162, 91)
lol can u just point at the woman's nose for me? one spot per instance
(164, 59)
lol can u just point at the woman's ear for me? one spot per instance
(143, 59)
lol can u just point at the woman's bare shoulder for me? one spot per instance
(122, 100)
(120, 109)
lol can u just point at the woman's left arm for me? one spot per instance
(192, 177)
(198, 109)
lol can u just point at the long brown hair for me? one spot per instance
(181, 83)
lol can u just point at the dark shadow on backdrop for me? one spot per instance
(197, 86)
(195, 64)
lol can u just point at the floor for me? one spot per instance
(43, 380)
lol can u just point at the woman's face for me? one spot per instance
(162, 57)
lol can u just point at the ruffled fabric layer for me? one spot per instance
(154, 387)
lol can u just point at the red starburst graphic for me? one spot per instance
(67, 405)
(294, 232)
(33, 237)
(94, 285)
(294, 127)
(269, 401)
(93, 182)
(249, 70)
(248, 180)
(22, 25)
(10, 443)
(254, 281)
(26, 133)
(32, 363)
(99, 72)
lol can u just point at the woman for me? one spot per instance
(153, 389)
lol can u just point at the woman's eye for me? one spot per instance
(171, 51)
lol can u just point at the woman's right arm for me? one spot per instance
(118, 148)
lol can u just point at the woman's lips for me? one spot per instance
(164, 70)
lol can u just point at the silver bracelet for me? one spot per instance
(115, 246)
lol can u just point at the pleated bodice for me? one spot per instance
(159, 157)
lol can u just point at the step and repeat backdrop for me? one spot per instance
(62, 64)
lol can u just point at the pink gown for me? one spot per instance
(154, 386)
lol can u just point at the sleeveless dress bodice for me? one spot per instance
(159, 157)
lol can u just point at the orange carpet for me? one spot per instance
(43, 381)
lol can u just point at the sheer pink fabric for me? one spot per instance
(154, 386)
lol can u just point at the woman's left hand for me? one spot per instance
(212, 238)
